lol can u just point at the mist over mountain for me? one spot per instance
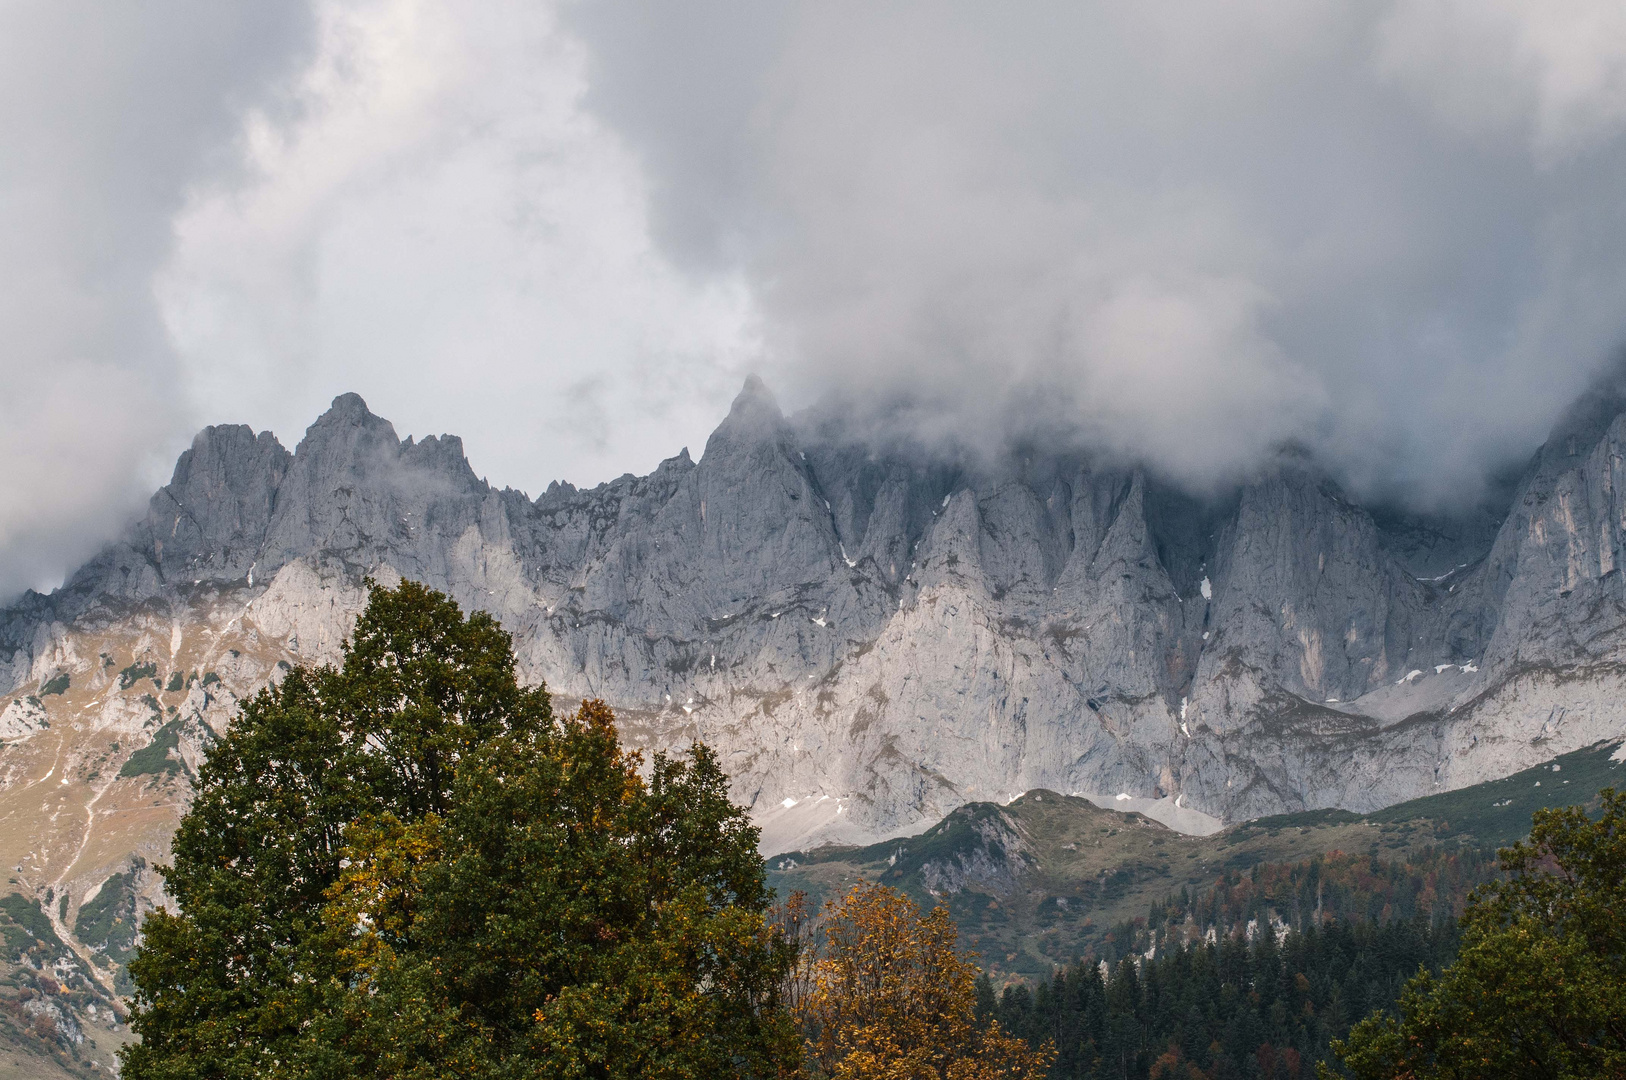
(1384, 233)
(1188, 236)
(1204, 412)
(871, 637)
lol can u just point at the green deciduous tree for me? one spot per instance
(407, 866)
(1538, 988)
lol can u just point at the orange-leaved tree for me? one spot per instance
(884, 994)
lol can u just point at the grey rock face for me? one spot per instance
(232, 478)
(872, 638)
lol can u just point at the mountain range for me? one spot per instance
(897, 636)
(871, 635)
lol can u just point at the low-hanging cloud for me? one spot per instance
(565, 230)
(108, 113)
(442, 228)
(1389, 232)
(233, 213)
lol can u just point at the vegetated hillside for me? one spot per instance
(95, 771)
(54, 1020)
(1495, 813)
(1048, 878)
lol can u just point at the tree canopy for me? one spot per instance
(407, 866)
(1538, 988)
(886, 995)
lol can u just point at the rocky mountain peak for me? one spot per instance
(346, 430)
(753, 419)
(871, 637)
(754, 394)
(211, 517)
(346, 408)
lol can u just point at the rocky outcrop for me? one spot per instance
(982, 848)
(873, 637)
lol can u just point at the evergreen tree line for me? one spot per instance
(1432, 886)
(1232, 1008)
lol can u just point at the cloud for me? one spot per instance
(1194, 231)
(441, 227)
(1188, 233)
(107, 114)
(232, 214)
(1551, 73)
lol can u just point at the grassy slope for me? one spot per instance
(30, 952)
(25, 1055)
(1496, 813)
(1040, 880)
(99, 790)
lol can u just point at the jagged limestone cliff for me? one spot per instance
(872, 638)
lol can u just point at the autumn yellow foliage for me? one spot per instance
(884, 994)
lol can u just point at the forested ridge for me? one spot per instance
(1254, 976)
(1455, 963)
(1229, 1008)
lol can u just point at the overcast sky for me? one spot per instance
(1392, 231)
